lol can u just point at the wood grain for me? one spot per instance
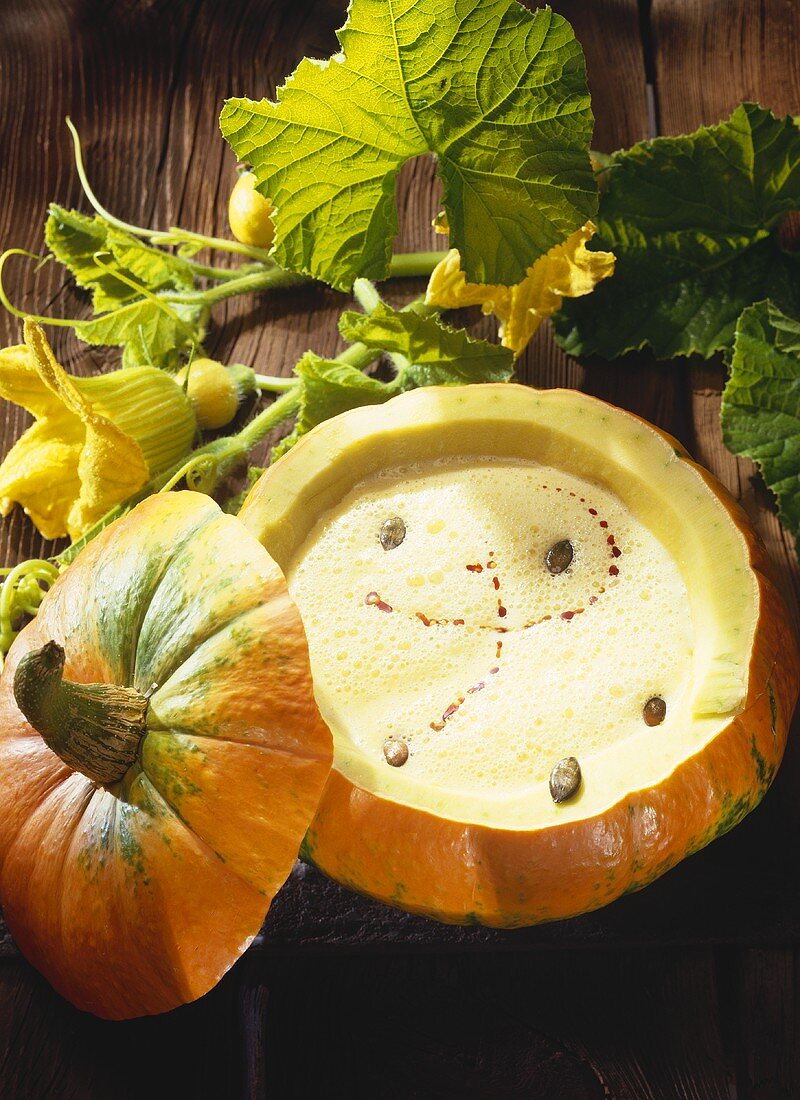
(764, 989)
(688, 989)
(48, 1050)
(638, 1025)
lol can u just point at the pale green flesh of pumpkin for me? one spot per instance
(542, 667)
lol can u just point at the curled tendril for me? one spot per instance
(186, 250)
(22, 591)
(9, 305)
(201, 474)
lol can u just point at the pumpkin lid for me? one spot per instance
(525, 610)
(168, 669)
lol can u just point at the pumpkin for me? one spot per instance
(161, 756)
(547, 643)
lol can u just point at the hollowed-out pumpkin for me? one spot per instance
(154, 799)
(547, 644)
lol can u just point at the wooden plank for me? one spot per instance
(253, 1022)
(47, 1049)
(639, 1025)
(762, 989)
(710, 56)
(609, 33)
(144, 82)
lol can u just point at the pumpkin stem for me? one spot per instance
(94, 728)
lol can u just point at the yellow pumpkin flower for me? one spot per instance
(96, 441)
(568, 270)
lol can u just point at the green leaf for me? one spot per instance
(761, 403)
(152, 267)
(106, 260)
(692, 222)
(497, 92)
(787, 332)
(75, 239)
(328, 388)
(93, 250)
(426, 352)
(150, 331)
(436, 355)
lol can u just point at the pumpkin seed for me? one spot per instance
(654, 711)
(565, 778)
(393, 531)
(559, 557)
(395, 751)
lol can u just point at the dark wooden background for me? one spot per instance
(689, 989)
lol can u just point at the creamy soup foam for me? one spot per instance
(458, 638)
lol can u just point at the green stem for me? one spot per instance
(405, 265)
(94, 728)
(358, 356)
(270, 383)
(366, 294)
(177, 236)
(208, 271)
(274, 415)
(174, 235)
(136, 230)
(9, 305)
(251, 283)
(408, 265)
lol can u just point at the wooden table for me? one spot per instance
(688, 989)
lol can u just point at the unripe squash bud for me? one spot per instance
(250, 214)
(216, 391)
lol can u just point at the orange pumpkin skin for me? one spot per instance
(135, 897)
(468, 873)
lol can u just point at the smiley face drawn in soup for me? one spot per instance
(474, 621)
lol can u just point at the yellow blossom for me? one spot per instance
(568, 270)
(96, 441)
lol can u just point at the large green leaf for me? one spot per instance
(497, 92)
(761, 403)
(692, 223)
